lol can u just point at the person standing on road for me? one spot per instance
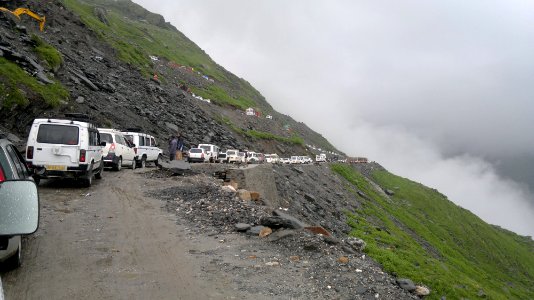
(179, 146)
(173, 145)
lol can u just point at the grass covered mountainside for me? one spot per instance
(418, 233)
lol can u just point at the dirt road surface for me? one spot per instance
(110, 242)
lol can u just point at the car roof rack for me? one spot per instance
(133, 129)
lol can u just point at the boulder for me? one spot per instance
(406, 284)
(318, 230)
(356, 243)
(255, 230)
(233, 184)
(389, 192)
(177, 167)
(422, 291)
(255, 196)
(265, 231)
(229, 188)
(295, 223)
(243, 194)
(80, 100)
(241, 227)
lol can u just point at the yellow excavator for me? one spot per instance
(19, 11)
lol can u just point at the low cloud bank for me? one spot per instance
(468, 181)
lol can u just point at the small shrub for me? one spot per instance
(47, 52)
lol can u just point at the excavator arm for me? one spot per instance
(19, 11)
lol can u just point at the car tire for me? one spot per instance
(36, 179)
(142, 162)
(87, 181)
(158, 161)
(99, 174)
(134, 164)
(118, 166)
(15, 261)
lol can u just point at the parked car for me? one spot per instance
(12, 167)
(320, 158)
(295, 160)
(198, 155)
(272, 158)
(64, 148)
(232, 156)
(145, 147)
(211, 150)
(222, 158)
(306, 160)
(118, 151)
(252, 157)
(285, 160)
(241, 155)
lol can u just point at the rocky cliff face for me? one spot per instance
(97, 80)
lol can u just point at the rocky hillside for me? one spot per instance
(101, 58)
(127, 67)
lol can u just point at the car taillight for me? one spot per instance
(82, 155)
(112, 147)
(2, 176)
(29, 152)
(135, 150)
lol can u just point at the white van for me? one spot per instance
(117, 151)
(211, 150)
(65, 148)
(232, 156)
(145, 147)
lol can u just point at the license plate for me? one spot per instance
(56, 168)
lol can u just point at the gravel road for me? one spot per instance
(109, 242)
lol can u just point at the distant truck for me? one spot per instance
(320, 158)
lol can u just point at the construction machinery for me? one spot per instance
(20, 11)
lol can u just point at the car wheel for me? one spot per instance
(99, 174)
(158, 161)
(15, 261)
(134, 164)
(142, 164)
(118, 166)
(87, 181)
(36, 179)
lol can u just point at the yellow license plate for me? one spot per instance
(56, 168)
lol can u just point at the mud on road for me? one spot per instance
(109, 242)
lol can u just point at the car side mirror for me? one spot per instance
(103, 144)
(19, 207)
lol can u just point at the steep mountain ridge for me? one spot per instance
(105, 70)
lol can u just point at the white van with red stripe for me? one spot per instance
(65, 148)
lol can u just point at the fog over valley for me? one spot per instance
(438, 92)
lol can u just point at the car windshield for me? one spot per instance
(58, 134)
(230, 152)
(196, 150)
(207, 148)
(106, 137)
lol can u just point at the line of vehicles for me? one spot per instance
(212, 153)
(75, 148)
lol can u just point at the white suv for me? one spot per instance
(145, 147)
(212, 151)
(232, 156)
(117, 151)
(65, 148)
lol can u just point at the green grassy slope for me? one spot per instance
(136, 39)
(418, 233)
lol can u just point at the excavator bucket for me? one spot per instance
(19, 11)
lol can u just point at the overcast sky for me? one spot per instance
(434, 91)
